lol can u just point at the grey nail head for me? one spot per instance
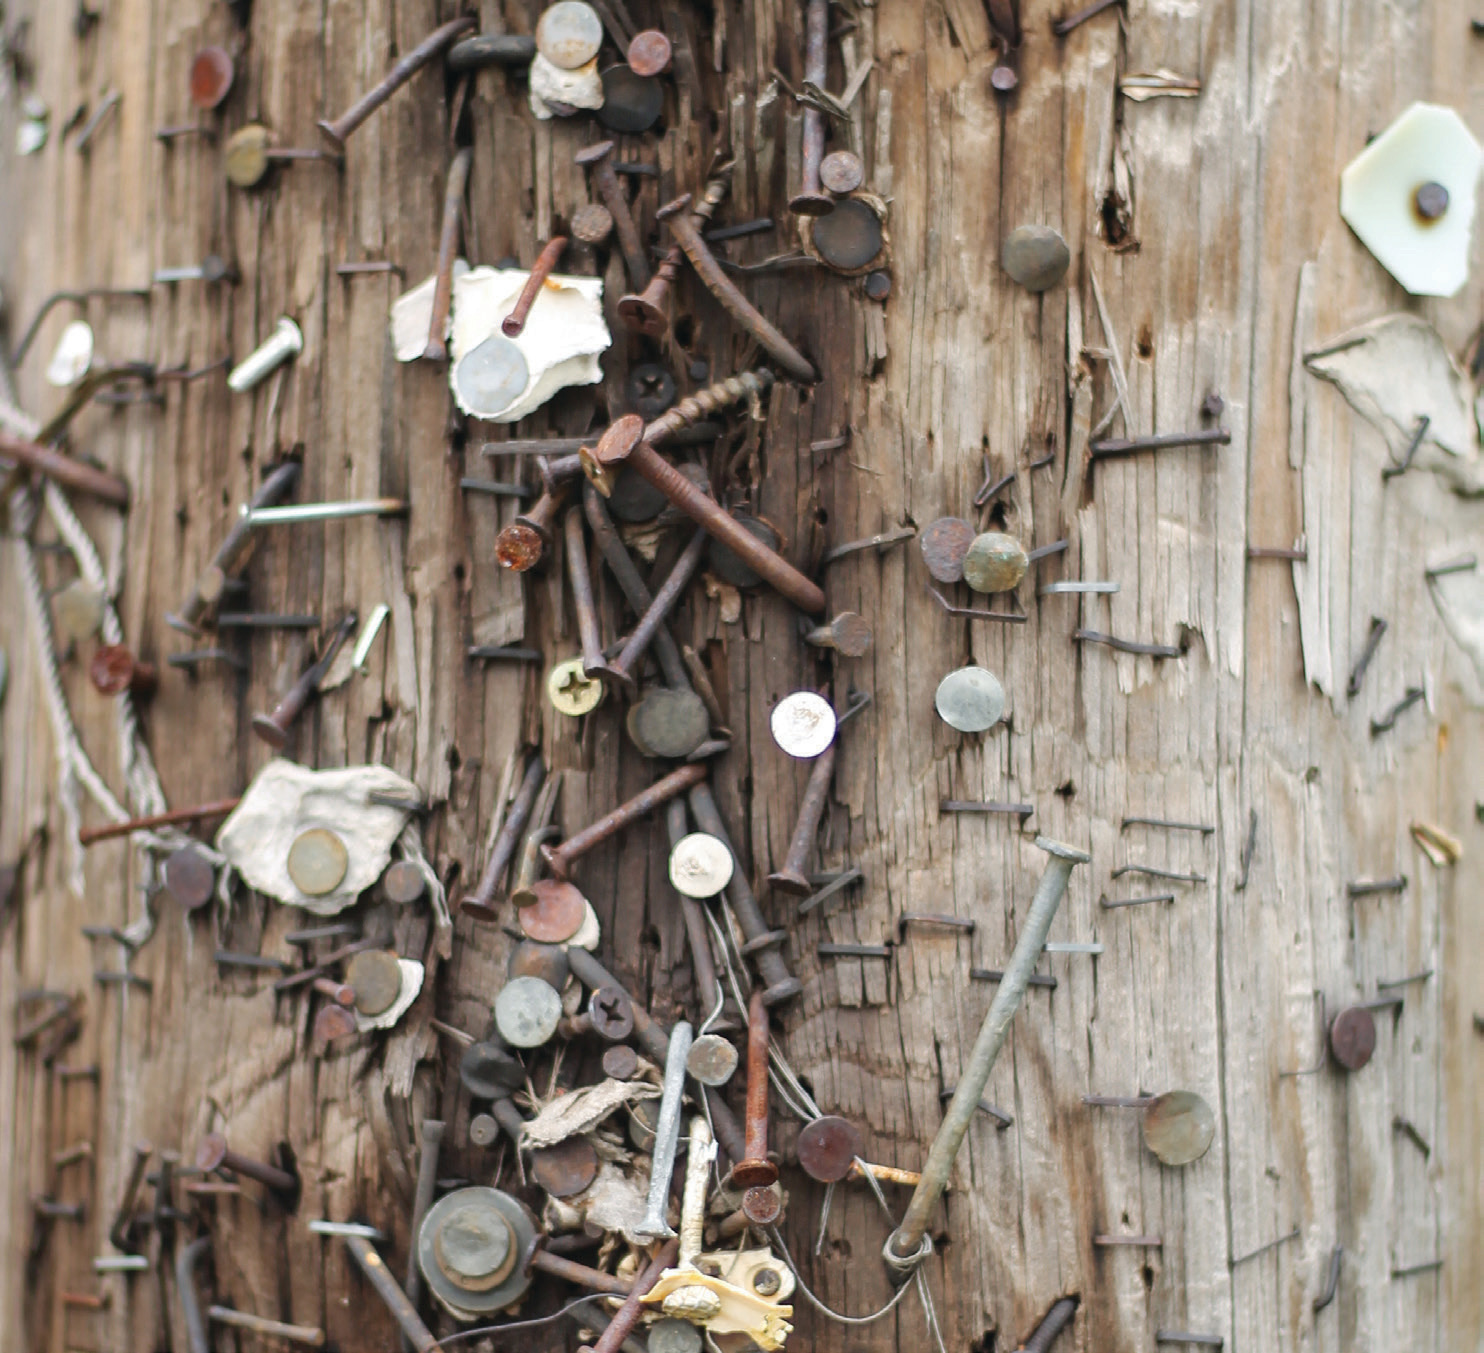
(1036, 256)
(970, 700)
(527, 1012)
(491, 376)
(1179, 1127)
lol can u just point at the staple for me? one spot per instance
(1367, 652)
(985, 806)
(1004, 617)
(1036, 979)
(1299, 553)
(1186, 1337)
(1463, 563)
(837, 884)
(880, 543)
(1332, 1283)
(1045, 460)
(1002, 1120)
(1388, 721)
(1411, 1269)
(854, 951)
(1055, 589)
(1409, 1129)
(1167, 824)
(1390, 472)
(1405, 981)
(1128, 645)
(1149, 871)
(1110, 902)
(1263, 1249)
(1069, 947)
(936, 919)
(1370, 887)
(498, 488)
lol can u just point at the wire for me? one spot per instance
(515, 1324)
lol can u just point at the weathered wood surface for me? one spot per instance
(1228, 198)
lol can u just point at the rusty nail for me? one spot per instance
(403, 1311)
(1128, 446)
(791, 878)
(1061, 27)
(514, 323)
(87, 1301)
(688, 236)
(274, 728)
(810, 200)
(594, 664)
(448, 238)
(339, 992)
(559, 859)
(645, 312)
(595, 1280)
(213, 1153)
(50, 1207)
(521, 545)
(627, 1315)
(220, 808)
(114, 670)
(65, 470)
(755, 1170)
(440, 38)
(599, 158)
(848, 634)
(665, 600)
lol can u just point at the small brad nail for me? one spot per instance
(1002, 1120)
(1363, 661)
(448, 238)
(1128, 446)
(1061, 27)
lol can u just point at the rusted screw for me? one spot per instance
(594, 664)
(419, 56)
(213, 1153)
(688, 236)
(559, 859)
(755, 1170)
(448, 240)
(274, 728)
(848, 634)
(594, 975)
(624, 443)
(521, 545)
(480, 903)
(514, 323)
(791, 878)
(810, 200)
(599, 158)
(115, 670)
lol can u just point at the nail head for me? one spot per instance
(376, 978)
(1352, 1037)
(649, 53)
(803, 724)
(850, 237)
(569, 34)
(700, 865)
(631, 103)
(1035, 256)
(567, 1168)
(490, 377)
(1179, 1127)
(712, 1060)
(944, 544)
(970, 700)
(556, 915)
(317, 862)
(527, 1012)
(403, 882)
(488, 1071)
(620, 1062)
(841, 171)
(827, 1147)
(591, 223)
(669, 724)
(995, 562)
(189, 877)
(211, 77)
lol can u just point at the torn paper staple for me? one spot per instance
(412, 984)
(412, 316)
(562, 339)
(580, 88)
(581, 1111)
(286, 799)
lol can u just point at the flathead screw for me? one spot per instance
(599, 158)
(755, 1170)
(439, 39)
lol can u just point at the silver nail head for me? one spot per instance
(72, 356)
(700, 865)
(286, 341)
(568, 34)
(527, 1012)
(490, 377)
(970, 700)
(1036, 257)
(803, 724)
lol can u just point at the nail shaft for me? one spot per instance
(481, 901)
(311, 1336)
(215, 1154)
(658, 611)
(627, 1315)
(1057, 1319)
(666, 1134)
(274, 728)
(1128, 446)
(186, 1259)
(69, 473)
(1064, 26)
(594, 664)
(791, 878)
(595, 1280)
(1357, 673)
(513, 325)
(810, 200)
(560, 859)
(699, 939)
(599, 159)
(403, 1311)
(448, 240)
(176, 816)
(422, 1200)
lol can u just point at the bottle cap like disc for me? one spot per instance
(1352, 1037)
(995, 562)
(568, 34)
(803, 724)
(668, 724)
(570, 692)
(712, 1060)
(970, 700)
(491, 376)
(700, 865)
(189, 878)
(403, 882)
(488, 1071)
(527, 1012)
(317, 862)
(827, 1146)
(944, 543)
(556, 915)
(1179, 1127)
(849, 237)
(730, 567)
(567, 1168)
(761, 1205)
(376, 979)
(631, 103)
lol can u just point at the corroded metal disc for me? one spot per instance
(546, 961)
(592, 223)
(567, 1168)
(376, 978)
(527, 1012)
(649, 53)
(556, 914)
(470, 1248)
(317, 862)
(1352, 1037)
(712, 1060)
(944, 543)
(333, 1021)
(668, 724)
(1179, 1127)
(189, 877)
(761, 1205)
(631, 103)
(211, 77)
(970, 700)
(620, 1062)
(841, 171)
(827, 1146)
(849, 237)
(995, 562)
(568, 34)
(403, 882)
(490, 376)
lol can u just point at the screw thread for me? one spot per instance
(693, 408)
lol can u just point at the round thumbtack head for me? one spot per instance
(803, 724)
(878, 285)
(592, 223)
(620, 1062)
(317, 862)
(631, 103)
(488, 1071)
(674, 1336)
(483, 1130)
(612, 1013)
(376, 978)
(1431, 201)
(570, 692)
(556, 914)
(827, 1146)
(634, 498)
(211, 77)
(651, 389)
(565, 1169)
(527, 1012)
(944, 543)
(568, 34)
(1352, 1037)
(841, 171)
(403, 882)
(1179, 1127)
(668, 724)
(1035, 256)
(995, 562)
(491, 376)
(761, 1205)
(712, 1060)
(245, 156)
(649, 53)
(849, 237)
(970, 700)
(728, 566)
(72, 356)
(189, 877)
(700, 865)
(546, 961)
(333, 1021)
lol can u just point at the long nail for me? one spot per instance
(903, 1250)
(627, 1315)
(688, 236)
(666, 1134)
(448, 240)
(594, 664)
(186, 1259)
(645, 312)
(66, 471)
(521, 545)
(513, 325)
(791, 878)
(419, 56)
(213, 1153)
(623, 444)
(598, 158)
(1128, 446)
(274, 728)
(89, 836)
(422, 1200)
(665, 600)
(810, 200)
(395, 1299)
(560, 859)
(755, 1170)
(481, 902)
